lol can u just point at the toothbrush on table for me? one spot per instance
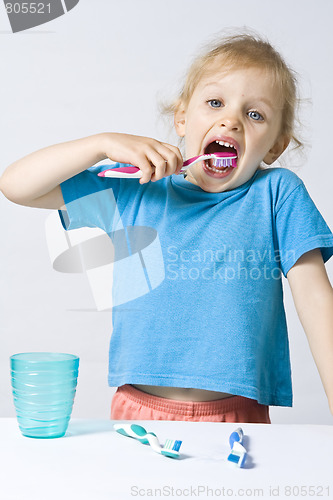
(170, 448)
(238, 452)
(220, 160)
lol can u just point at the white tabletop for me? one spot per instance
(93, 462)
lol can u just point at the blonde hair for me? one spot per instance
(245, 50)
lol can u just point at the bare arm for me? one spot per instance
(313, 297)
(35, 179)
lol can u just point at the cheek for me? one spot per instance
(193, 129)
(262, 140)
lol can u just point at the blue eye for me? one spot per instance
(255, 116)
(215, 103)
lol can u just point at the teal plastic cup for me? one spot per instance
(44, 386)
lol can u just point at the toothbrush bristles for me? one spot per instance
(171, 448)
(177, 445)
(222, 162)
(170, 444)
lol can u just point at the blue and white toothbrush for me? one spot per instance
(238, 452)
(170, 448)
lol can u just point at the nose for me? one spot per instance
(230, 120)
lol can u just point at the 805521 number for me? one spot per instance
(28, 8)
(308, 491)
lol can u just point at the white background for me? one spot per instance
(105, 66)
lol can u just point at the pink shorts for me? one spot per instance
(129, 403)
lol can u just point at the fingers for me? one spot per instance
(155, 159)
(160, 161)
(147, 169)
(176, 158)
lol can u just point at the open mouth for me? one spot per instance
(213, 166)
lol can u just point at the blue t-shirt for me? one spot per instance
(214, 319)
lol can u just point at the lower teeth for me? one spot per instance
(214, 169)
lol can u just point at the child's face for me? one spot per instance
(240, 107)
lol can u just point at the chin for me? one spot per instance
(214, 189)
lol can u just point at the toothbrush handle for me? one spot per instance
(138, 432)
(236, 436)
(122, 172)
(194, 159)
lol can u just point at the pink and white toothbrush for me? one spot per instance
(220, 160)
(129, 172)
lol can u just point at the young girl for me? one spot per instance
(210, 342)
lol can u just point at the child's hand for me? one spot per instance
(155, 159)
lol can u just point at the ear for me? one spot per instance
(277, 149)
(180, 119)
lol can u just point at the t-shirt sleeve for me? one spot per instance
(91, 201)
(300, 228)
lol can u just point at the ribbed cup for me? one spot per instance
(44, 386)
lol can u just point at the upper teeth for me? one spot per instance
(222, 143)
